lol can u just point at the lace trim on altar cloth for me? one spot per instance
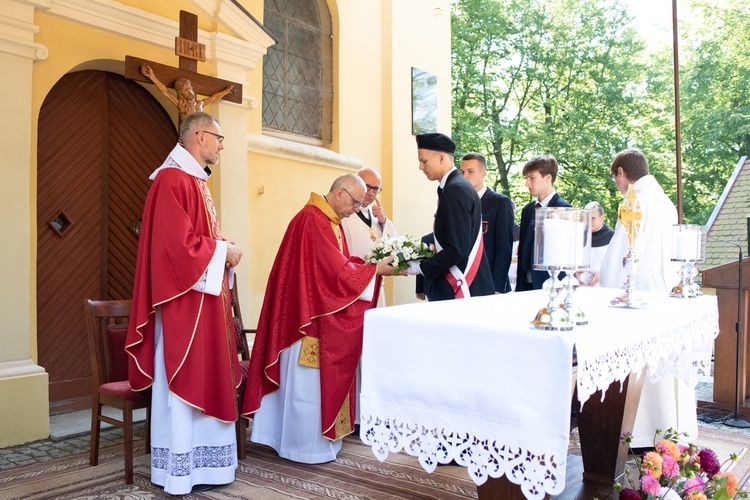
(537, 475)
(678, 352)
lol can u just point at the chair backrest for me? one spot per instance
(107, 325)
(240, 333)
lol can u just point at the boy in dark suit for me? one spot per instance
(497, 220)
(540, 173)
(459, 268)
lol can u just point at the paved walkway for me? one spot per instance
(70, 435)
(47, 449)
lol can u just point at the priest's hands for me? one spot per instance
(386, 269)
(234, 254)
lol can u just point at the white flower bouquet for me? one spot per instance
(402, 248)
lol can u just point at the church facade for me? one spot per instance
(327, 88)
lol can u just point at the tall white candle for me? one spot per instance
(559, 243)
(686, 244)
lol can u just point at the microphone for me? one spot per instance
(736, 421)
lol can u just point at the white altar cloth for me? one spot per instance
(468, 380)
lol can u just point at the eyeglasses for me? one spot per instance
(357, 204)
(220, 137)
(374, 189)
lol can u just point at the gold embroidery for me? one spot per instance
(309, 354)
(337, 231)
(213, 221)
(343, 420)
(372, 235)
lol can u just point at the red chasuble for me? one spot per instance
(177, 240)
(313, 291)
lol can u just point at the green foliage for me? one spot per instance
(572, 78)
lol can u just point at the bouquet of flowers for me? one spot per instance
(403, 249)
(675, 472)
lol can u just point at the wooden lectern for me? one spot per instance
(724, 279)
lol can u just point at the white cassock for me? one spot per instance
(188, 447)
(359, 236)
(668, 402)
(289, 419)
(597, 257)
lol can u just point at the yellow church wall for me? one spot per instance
(27, 418)
(23, 384)
(372, 85)
(51, 46)
(419, 37)
(259, 185)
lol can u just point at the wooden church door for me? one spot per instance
(100, 137)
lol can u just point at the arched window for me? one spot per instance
(297, 71)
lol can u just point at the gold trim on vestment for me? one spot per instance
(320, 202)
(343, 420)
(309, 353)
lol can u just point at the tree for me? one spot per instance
(715, 99)
(533, 77)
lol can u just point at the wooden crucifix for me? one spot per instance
(185, 81)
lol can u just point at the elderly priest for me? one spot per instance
(301, 385)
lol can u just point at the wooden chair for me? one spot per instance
(106, 322)
(240, 333)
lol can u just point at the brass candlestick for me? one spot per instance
(630, 217)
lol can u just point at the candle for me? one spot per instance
(686, 245)
(559, 243)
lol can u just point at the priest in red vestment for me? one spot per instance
(301, 388)
(180, 336)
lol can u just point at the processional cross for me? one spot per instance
(186, 81)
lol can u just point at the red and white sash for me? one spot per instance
(459, 281)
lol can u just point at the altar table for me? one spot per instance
(469, 380)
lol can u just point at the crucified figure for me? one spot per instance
(185, 95)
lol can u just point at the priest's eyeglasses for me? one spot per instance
(374, 189)
(220, 137)
(357, 204)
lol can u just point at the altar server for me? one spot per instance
(459, 268)
(497, 220)
(668, 402)
(540, 173)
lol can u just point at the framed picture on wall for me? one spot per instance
(423, 102)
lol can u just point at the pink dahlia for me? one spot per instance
(650, 486)
(669, 467)
(694, 485)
